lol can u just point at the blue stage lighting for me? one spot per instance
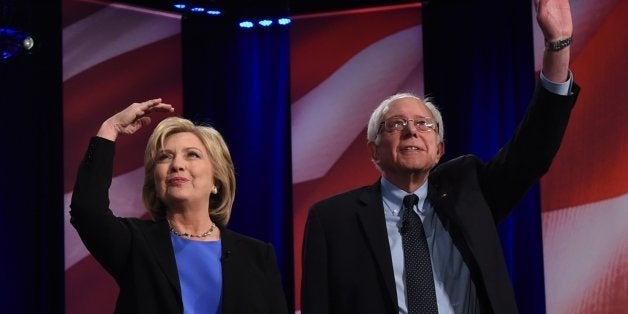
(265, 23)
(214, 12)
(13, 43)
(197, 9)
(284, 21)
(179, 6)
(246, 24)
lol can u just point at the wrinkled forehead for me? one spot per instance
(407, 107)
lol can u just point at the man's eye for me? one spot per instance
(425, 124)
(397, 123)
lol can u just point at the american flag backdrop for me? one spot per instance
(585, 195)
(342, 65)
(113, 55)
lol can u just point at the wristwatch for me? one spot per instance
(558, 45)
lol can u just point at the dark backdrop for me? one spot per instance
(479, 67)
(31, 185)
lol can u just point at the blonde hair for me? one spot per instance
(220, 204)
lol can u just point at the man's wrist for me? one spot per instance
(559, 44)
(559, 88)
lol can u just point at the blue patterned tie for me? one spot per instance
(420, 293)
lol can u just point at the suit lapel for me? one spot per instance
(444, 202)
(371, 217)
(159, 241)
(229, 270)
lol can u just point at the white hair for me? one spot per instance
(377, 117)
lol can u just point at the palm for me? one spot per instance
(132, 118)
(554, 18)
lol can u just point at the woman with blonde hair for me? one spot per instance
(184, 260)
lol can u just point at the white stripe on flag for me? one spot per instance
(126, 203)
(382, 69)
(582, 247)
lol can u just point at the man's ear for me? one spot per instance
(372, 147)
(440, 151)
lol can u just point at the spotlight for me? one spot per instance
(284, 21)
(265, 23)
(246, 24)
(196, 7)
(14, 43)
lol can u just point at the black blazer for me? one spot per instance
(347, 265)
(139, 254)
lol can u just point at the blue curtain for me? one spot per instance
(237, 80)
(479, 67)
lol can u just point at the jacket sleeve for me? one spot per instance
(314, 281)
(105, 236)
(277, 295)
(529, 153)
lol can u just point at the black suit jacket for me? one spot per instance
(139, 254)
(347, 264)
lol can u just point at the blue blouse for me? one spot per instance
(200, 274)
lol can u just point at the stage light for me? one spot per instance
(265, 23)
(197, 7)
(246, 24)
(14, 43)
(284, 21)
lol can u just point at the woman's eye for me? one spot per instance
(163, 157)
(194, 155)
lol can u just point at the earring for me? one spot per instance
(214, 190)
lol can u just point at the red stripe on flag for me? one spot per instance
(321, 45)
(592, 162)
(89, 288)
(99, 92)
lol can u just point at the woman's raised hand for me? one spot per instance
(131, 119)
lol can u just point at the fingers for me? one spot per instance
(132, 118)
(155, 105)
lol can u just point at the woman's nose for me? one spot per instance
(177, 164)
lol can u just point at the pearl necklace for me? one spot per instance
(189, 235)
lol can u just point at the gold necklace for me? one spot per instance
(189, 235)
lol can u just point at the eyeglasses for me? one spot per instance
(397, 124)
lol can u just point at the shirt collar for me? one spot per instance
(393, 196)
